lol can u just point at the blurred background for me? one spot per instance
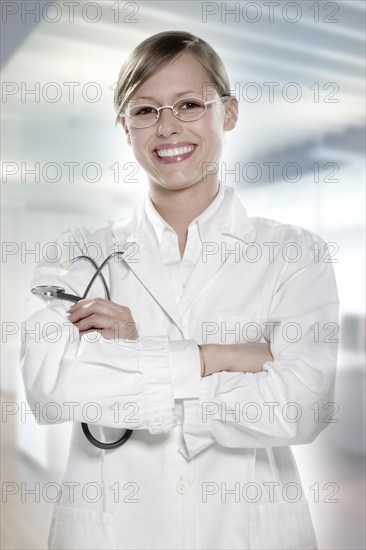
(297, 155)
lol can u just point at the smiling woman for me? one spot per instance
(209, 463)
(174, 154)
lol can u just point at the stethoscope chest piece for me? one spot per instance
(50, 292)
(47, 292)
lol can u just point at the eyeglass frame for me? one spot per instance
(159, 109)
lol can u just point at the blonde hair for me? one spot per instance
(157, 51)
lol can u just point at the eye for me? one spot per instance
(143, 110)
(189, 105)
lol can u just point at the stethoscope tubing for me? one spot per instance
(58, 293)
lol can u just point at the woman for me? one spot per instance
(207, 349)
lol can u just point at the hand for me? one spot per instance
(111, 320)
(246, 357)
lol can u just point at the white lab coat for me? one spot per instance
(208, 464)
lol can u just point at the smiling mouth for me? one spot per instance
(174, 154)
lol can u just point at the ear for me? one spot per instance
(124, 125)
(231, 113)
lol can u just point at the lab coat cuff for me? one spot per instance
(197, 429)
(185, 367)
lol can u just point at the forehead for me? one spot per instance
(182, 74)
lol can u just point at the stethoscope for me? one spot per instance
(50, 292)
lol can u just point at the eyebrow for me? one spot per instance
(180, 94)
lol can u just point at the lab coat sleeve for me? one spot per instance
(292, 400)
(119, 383)
(185, 369)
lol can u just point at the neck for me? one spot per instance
(179, 207)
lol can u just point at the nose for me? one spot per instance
(168, 124)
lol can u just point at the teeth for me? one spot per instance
(163, 153)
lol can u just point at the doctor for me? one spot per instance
(215, 347)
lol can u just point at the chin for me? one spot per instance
(171, 186)
(173, 183)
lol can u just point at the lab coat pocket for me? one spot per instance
(77, 529)
(282, 525)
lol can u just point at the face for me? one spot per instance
(199, 143)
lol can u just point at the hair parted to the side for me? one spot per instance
(157, 51)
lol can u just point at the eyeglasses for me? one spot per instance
(186, 109)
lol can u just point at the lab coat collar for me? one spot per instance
(202, 220)
(229, 221)
(232, 219)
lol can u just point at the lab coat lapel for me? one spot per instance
(147, 265)
(153, 275)
(233, 224)
(203, 272)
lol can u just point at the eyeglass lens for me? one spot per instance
(186, 109)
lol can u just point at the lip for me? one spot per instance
(176, 158)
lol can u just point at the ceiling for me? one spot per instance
(323, 60)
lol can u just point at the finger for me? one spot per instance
(92, 307)
(79, 303)
(87, 303)
(94, 329)
(98, 306)
(94, 322)
(130, 330)
(80, 309)
(105, 322)
(116, 328)
(97, 301)
(82, 332)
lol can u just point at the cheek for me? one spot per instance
(215, 139)
(213, 129)
(140, 146)
(138, 138)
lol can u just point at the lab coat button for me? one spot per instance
(182, 487)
